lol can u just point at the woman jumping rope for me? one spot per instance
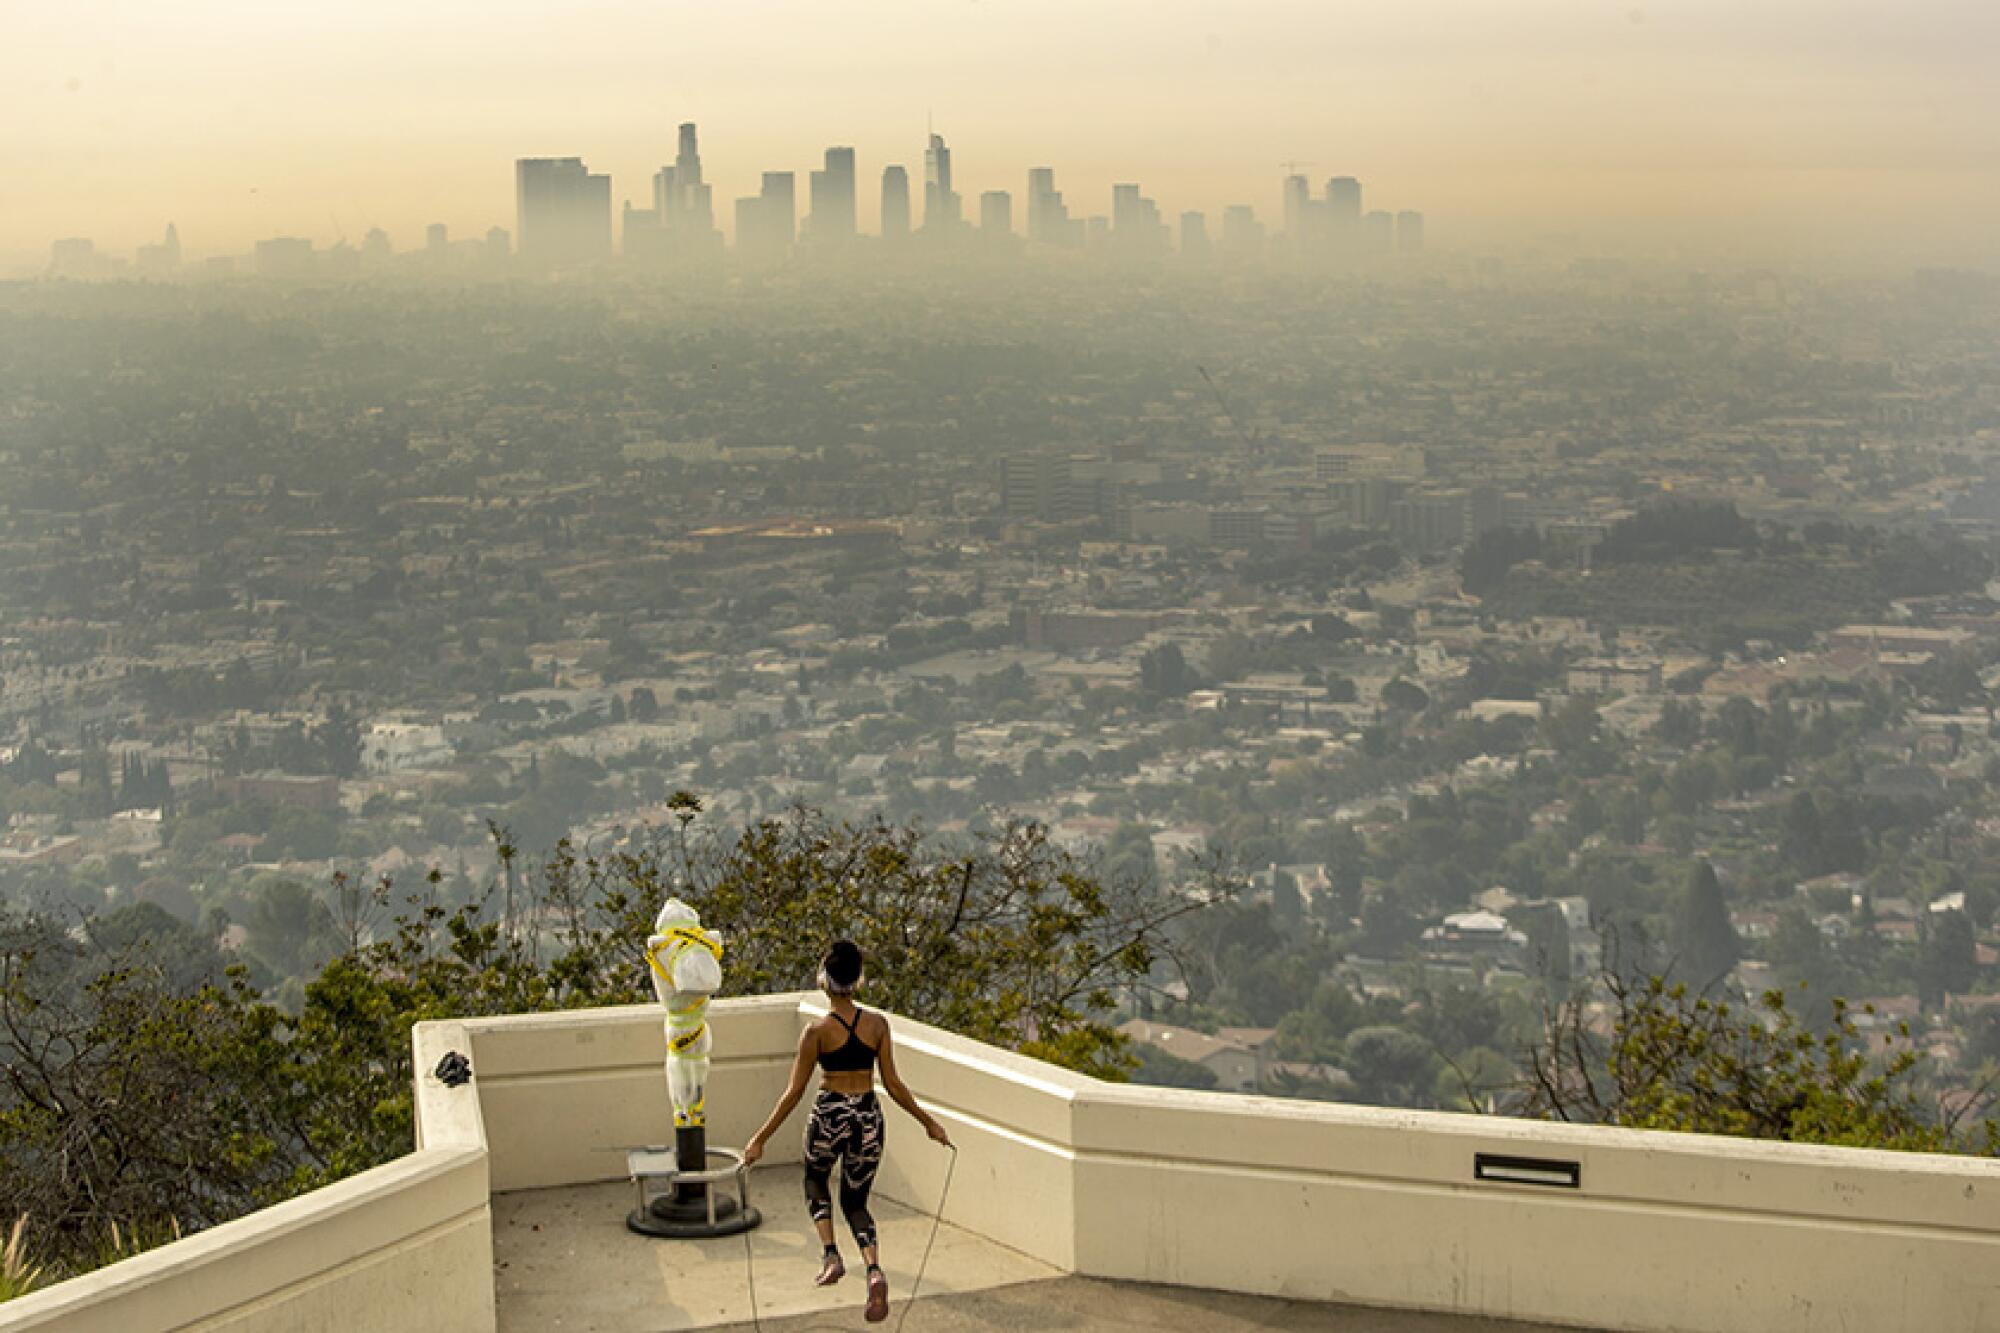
(846, 1122)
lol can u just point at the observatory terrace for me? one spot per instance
(1075, 1204)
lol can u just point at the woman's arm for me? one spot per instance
(900, 1090)
(802, 1066)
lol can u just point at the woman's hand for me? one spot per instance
(752, 1151)
(937, 1133)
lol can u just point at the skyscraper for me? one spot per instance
(563, 212)
(996, 213)
(1378, 232)
(767, 222)
(1298, 201)
(831, 219)
(681, 222)
(895, 203)
(1048, 217)
(1194, 235)
(941, 202)
(1410, 231)
(1242, 233)
(164, 257)
(1136, 225)
(1343, 207)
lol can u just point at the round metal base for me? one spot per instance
(680, 1220)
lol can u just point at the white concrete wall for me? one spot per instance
(406, 1245)
(1667, 1234)
(562, 1095)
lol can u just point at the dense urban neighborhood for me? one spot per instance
(1499, 631)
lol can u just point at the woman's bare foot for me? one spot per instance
(830, 1271)
(878, 1296)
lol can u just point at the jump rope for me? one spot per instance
(937, 1219)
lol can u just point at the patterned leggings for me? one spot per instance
(849, 1129)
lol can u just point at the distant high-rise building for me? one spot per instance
(1378, 231)
(767, 223)
(284, 257)
(1136, 225)
(941, 202)
(437, 238)
(1194, 235)
(1049, 222)
(164, 257)
(895, 203)
(830, 219)
(1343, 204)
(1242, 233)
(1298, 201)
(75, 257)
(681, 222)
(375, 247)
(996, 213)
(1410, 232)
(781, 207)
(499, 245)
(563, 212)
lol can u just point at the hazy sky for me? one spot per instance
(242, 119)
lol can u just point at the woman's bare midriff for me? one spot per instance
(847, 1082)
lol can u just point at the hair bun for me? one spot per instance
(842, 965)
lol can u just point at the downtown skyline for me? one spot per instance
(566, 213)
(1783, 125)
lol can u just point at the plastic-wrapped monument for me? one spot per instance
(685, 963)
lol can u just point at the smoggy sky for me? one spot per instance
(1875, 121)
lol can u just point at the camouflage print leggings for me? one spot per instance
(847, 1129)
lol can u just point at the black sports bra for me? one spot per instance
(852, 1056)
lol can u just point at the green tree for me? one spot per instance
(1705, 944)
(1678, 1061)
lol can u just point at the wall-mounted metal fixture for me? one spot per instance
(1543, 1171)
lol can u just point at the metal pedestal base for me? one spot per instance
(692, 1205)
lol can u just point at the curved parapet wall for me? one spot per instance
(1598, 1228)
(406, 1245)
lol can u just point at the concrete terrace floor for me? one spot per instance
(564, 1261)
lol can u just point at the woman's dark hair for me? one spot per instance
(842, 965)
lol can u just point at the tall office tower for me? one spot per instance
(563, 212)
(895, 204)
(1378, 232)
(1042, 200)
(284, 257)
(1343, 206)
(941, 202)
(74, 257)
(767, 223)
(1242, 233)
(499, 245)
(781, 208)
(643, 232)
(996, 213)
(164, 257)
(1410, 231)
(694, 206)
(830, 216)
(1194, 235)
(1049, 222)
(1136, 225)
(1298, 202)
(437, 238)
